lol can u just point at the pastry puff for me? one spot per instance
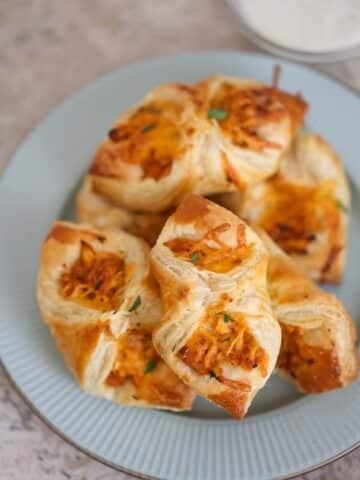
(252, 126)
(148, 159)
(318, 349)
(96, 294)
(218, 135)
(97, 210)
(304, 208)
(218, 332)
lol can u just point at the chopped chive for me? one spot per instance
(217, 113)
(195, 258)
(227, 339)
(173, 348)
(212, 374)
(150, 366)
(342, 206)
(148, 127)
(227, 318)
(136, 304)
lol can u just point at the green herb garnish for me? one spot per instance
(148, 127)
(227, 318)
(227, 339)
(217, 113)
(150, 366)
(342, 206)
(195, 258)
(136, 304)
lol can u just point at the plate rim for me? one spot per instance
(55, 109)
(134, 473)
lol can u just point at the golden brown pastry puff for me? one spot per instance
(148, 159)
(218, 332)
(97, 210)
(305, 207)
(96, 294)
(253, 124)
(318, 348)
(218, 135)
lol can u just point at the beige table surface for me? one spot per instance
(48, 49)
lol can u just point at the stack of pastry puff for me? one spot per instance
(205, 218)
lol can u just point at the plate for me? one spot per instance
(284, 433)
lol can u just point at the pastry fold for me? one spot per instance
(304, 208)
(218, 333)
(97, 295)
(318, 350)
(97, 210)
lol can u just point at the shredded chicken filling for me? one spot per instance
(248, 109)
(295, 214)
(149, 138)
(314, 367)
(139, 364)
(95, 280)
(223, 338)
(211, 252)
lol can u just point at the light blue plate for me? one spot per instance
(284, 433)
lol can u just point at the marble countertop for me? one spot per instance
(48, 49)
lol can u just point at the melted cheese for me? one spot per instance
(138, 363)
(149, 138)
(220, 258)
(95, 280)
(223, 338)
(315, 367)
(294, 214)
(247, 110)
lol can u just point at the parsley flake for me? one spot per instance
(150, 366)
(227, 318)
(195, 258)
(217, 113)
(136, 304)
(342, 206)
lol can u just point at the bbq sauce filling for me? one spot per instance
(139, 364)
(245, 111)
(210, 252)
(95, 280)
(220, 338)
(315, 368)
(295, 214)
(150, 138)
